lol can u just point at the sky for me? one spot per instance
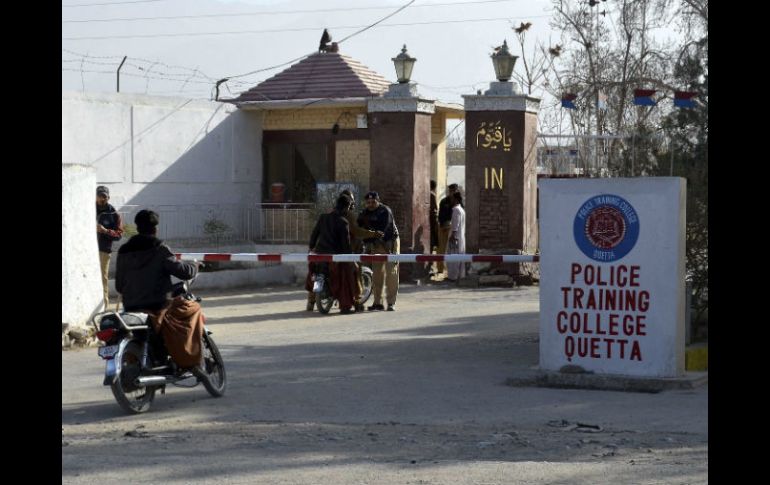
(207, 40)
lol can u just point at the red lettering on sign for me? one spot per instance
(621, 275)
(577, 298)
(593, 332)
(591, 347)
(634, 280)
(562, 328)
(644, 301)
(576, 269)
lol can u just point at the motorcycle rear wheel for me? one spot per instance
(366, 280)
(214, 366)
(132, 399)
(324, 301)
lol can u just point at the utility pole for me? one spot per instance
(597, 84)
(216, 96)
(121, 65)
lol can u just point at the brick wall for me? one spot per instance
(494, 221)
(502, 216)
(352, 162)
(312, 119)
(438, 163)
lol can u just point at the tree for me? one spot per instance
(215, 227)
(612, 48)
(688, 151)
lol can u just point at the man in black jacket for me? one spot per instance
(378, 217)
(145, 266)
(109, 228)
(331, 235)
(143, 278)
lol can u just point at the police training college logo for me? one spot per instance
(606, 227)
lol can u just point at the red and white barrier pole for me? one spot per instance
(361, 258)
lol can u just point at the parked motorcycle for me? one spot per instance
(138, 364)
(322, 287)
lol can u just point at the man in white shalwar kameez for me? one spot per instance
(456, 243)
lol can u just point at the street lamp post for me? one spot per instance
(503, 61)
(404, 64)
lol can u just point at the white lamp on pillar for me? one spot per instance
(404, 64)
(503, 61)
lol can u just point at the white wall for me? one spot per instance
(81, 286)
(613, 237)
(153, 151)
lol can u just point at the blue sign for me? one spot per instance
(606, 227)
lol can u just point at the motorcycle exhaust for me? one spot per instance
(153, 381)
(160, 380)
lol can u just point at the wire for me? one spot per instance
(107, 4)
(377, 22)
(196, 72)
(132, 75)
(453, 130)
(277, 12)
(301, 29)
(307, 55)
(90, 56)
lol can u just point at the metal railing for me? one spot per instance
(217, 224)
(282, 222)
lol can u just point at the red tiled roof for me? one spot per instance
(321, 75)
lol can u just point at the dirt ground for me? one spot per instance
(415, 396)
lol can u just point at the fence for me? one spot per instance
(574, 154)
(218, 224)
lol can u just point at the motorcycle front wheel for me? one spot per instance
(366, 280)
(131, 398)
(214, 367)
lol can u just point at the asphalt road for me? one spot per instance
(411, 396)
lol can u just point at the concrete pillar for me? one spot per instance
(500, 171)
(400, 137)
(81, 284)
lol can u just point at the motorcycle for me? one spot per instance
(322, 287)
(138, 364)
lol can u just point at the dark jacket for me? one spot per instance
(357, 233)
(380, 219)
(331, 235)
(445, 211)
(111, 220)
(433, 219)
(144, 269)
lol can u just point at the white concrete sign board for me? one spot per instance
(612, 275)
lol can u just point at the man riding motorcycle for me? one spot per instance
(143, 278)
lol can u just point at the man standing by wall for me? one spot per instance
(379, 217)
(445, 223)
(433, 218)
(109, 228)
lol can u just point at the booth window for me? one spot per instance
(292, 171)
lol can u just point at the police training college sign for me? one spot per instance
(612, 275)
